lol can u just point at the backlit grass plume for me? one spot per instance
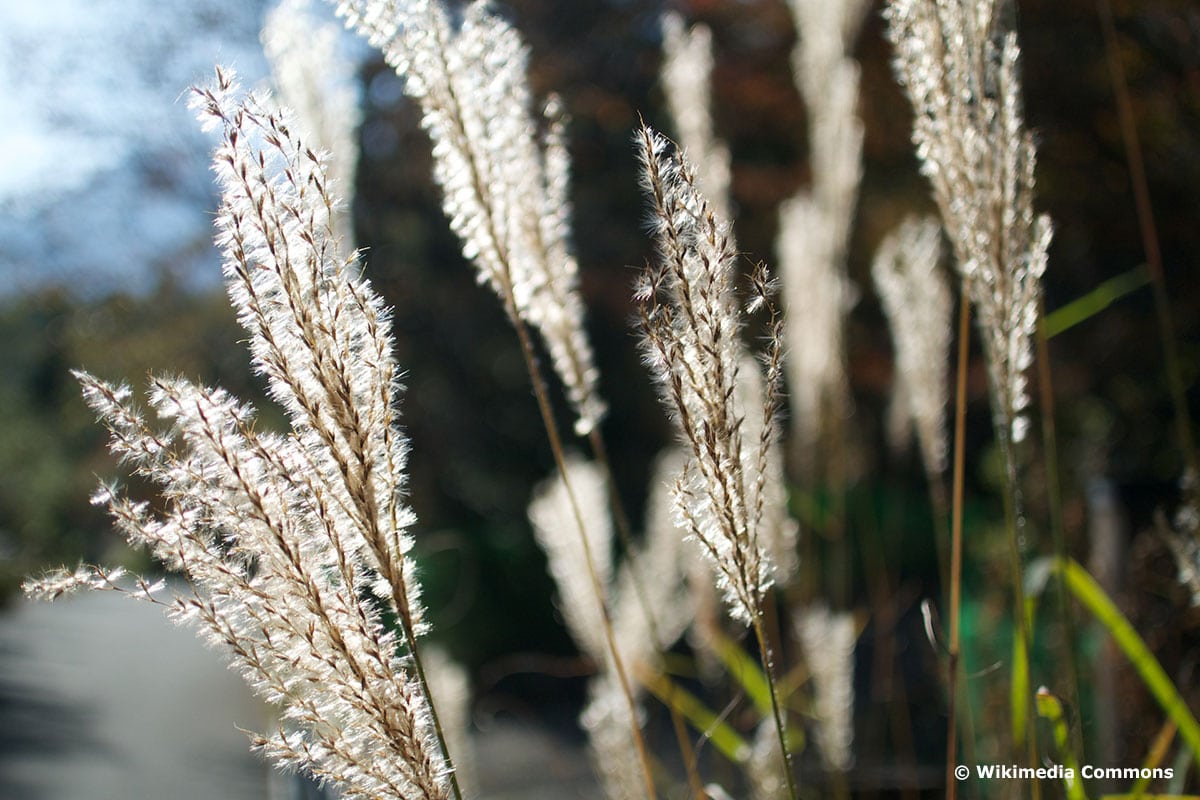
(959, 67)
(960, 71)
(814, 234)
(295, 545)
(917, 300)
(317, 81)
(687, 89)
(504, 184)
(692, 322)
(638, 639)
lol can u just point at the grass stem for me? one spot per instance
(960, 428)
(768, 662)
(556, 447)
(1149, 231)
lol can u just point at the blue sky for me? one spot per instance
(104, 176)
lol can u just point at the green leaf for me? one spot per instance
(1095, 301)
(727, 741)
(1050, 708)
(1019, 690)
(1088, 592)
(748, 674)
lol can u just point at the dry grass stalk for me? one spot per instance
(505, 187)
(960, 71)
(295, 545)
(692, 322)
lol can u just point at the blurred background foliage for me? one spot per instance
(477, 443)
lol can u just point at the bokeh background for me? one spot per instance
(106, 263)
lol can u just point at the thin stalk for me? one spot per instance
(437, 724)
(1149, 231)
(1023, 732)
(768, 662)
(625, 533)
(1054, 497)
(556, 447)
(960, 427)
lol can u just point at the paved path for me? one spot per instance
(101, 698)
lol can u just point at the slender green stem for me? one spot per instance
(437, 724)
(768, 662)
(960, 428)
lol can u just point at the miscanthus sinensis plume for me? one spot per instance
(692, 322)
(295, 545)
(827, 78)
(828, 638)
(917, 300)
(687, 88)
(815, 224)
(686, 81)
(505, 176)
(959, 68)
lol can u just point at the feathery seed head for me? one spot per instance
(554, 524)
(686, 80)
(980, 161)
(692, 322)
(828, 639)
(294, 546)
(917, 300)
(504, 189)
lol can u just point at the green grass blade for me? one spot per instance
(1020, 688)
(1095, 301)
(1050, 708)
(727, 741)
(1089, 593)
(746, 671)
